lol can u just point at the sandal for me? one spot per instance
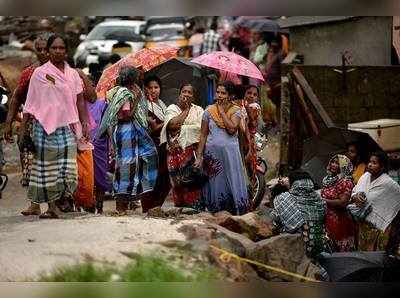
(48, 215)
(31, 211)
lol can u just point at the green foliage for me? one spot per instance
(142, 269)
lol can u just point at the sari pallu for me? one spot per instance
(54, 170)
(178, 160)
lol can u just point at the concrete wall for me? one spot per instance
(396, 34)
(373, 92)
(368, 39)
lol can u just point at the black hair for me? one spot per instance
(382, 158)
(278, 189)
(361, 153)
(229, 87)
(298, 175)
(200, 30)
(214, 25)
(152, 78)
(103, 60)
(252, 86)
(114, 58)
(239, 91)
(44, 36)
(128, 75)
(186, 84)
(356, 145)
(53, 37)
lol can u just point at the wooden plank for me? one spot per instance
(306, 110)
(284, 127)
(289, 58)
(311, 95)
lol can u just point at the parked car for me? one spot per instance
(104, 36)
(170, 31)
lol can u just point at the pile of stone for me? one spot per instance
(22, 27)
(249, 236)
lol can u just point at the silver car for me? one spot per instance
(104, 36)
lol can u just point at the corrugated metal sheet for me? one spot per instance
(310, 20)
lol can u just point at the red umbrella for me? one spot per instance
(145, 59)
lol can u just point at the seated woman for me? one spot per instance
(302, 210)
(336, 191)
(181, 132)
(136, 159)
(354, 154)
(376, 203)
(219, 145)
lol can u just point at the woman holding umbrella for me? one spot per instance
(219, 146)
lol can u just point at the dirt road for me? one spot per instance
(29, 246)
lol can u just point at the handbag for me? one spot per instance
(192, 177)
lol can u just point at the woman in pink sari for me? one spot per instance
(54, 102)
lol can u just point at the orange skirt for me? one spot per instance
(84, 195)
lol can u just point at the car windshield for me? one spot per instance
(120, 33)
(159, 32)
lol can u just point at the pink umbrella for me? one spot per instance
(230, 62)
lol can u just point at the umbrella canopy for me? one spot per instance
(358, 266)
(174, 72)
(145, 59)
(230, 62)
(318, 150)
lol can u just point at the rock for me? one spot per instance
(250, 224)
(157, 212)
(231, 242)
(197, 232)
(309, 269)
(189, 211)
(285, 251)
(181, 245)
(234, 271)
(220, 217)
(264, 212)
(206, 216)
(168, 212)
(172, 211)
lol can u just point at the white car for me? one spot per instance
(104, 36)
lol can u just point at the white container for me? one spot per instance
(386, 132)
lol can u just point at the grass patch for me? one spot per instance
(84, 272)
(143, 269)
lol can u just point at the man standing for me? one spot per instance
(211, 41)
(17, 100)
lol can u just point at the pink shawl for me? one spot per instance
(52, 96)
